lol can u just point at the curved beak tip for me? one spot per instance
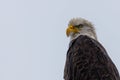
(67, 32)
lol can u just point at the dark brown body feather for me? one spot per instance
(87, 60)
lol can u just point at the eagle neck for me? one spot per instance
(89, 34)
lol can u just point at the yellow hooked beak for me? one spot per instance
(71, 29)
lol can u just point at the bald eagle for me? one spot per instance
(86, 58)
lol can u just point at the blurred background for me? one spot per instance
(33, 43)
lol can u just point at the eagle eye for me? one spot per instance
(79, 26)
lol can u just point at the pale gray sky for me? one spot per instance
(33, 43)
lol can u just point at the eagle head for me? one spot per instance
(80, 26)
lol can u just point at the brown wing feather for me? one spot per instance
(87, 60)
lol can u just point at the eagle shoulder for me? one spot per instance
(88, 60)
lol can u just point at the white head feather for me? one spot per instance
(88, 28)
